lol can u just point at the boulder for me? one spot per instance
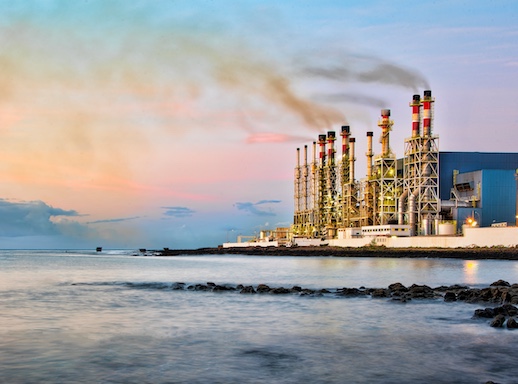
(421, 292)
(487, 313)
(178, 286)
(512, 323)
(498, 321)
(263, 288)
(379, 292)
(248, 289)
(500, 283)
(280, 291)
(397, 287)
(450, 296)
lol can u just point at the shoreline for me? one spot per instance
(494, 253)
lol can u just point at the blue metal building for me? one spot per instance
(478, 186)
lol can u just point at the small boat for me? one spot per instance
(99, 249)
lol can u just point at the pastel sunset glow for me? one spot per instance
(130, 124)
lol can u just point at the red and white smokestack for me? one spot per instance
(427, 113)
(352, 140)
(369, 154)
(322, 144)
(331, 137)
(385, 124)
(416, 118)
(346, 131)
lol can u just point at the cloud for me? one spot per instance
(113, 220)
(254, 210)
(178, 211)
(32, 218)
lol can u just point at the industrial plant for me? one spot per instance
(427, 198)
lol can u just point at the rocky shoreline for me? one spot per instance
(501, 297)
(495, 253)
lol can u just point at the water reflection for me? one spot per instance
(470, 271)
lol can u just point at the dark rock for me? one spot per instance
(239, 287)
(379, 292)
(210, 284)
(512, 323)
(307, 291)
(280, 291)
(487, 313)
(263, 288)
(498, 321)
(323, 290)
(248, 289)
(178, 286)
(421, 292)
(222, 288)
(397, 287)
(201, 287)
(349, 292)
(450, 296)
(296, 288)
(509, 310)
(500, 283)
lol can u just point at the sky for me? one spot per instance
(151, 124)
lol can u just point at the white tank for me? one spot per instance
(446, 229)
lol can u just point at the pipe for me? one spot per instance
(369, 154)
(401, 207)
(412, 212)
(352, 140)
(416, 105)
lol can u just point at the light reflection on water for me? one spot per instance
(101, 330)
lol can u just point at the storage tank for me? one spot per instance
(446, 229)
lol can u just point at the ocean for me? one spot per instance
(112, 317)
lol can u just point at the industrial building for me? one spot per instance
(427, 198)
(425, 193)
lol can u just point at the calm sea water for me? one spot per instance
(81, 317)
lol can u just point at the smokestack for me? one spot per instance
(385, 124)
(346, 131)
(322, 144)
(416, 121)
(331, 137)
(369, 154)
(352, 140)
(427, 113)
(298, 157)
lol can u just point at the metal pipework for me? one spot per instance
(416, 118)
(369, 154)
(386, 125)
(352, 140)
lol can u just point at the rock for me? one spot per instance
(512, 323)
(178, 286)
(421, 292)
(500, 283)
(280, 291)
(349, 292)
(379, 292)
(263, 288)
(201, 287)
(296, 288)
(222, 288)
(498, 321)
(397, 287)
(487, 313)
(248, 289)
(211, 284)
(450, 296)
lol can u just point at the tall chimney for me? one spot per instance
(322, 144)
(351, 159)
(346, 131)
(427, 113)
(416, 105)
(385, 124)
(331, 137)
(369, 154)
